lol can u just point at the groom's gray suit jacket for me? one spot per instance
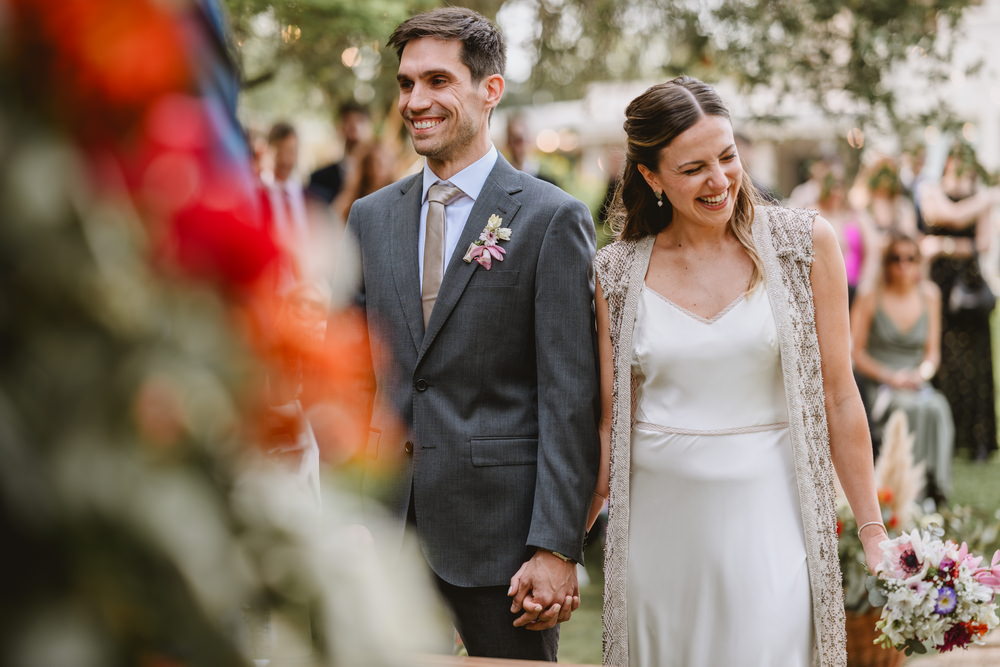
(499, 394)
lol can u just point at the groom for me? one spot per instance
(491, 336)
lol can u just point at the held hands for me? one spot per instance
(545, 589)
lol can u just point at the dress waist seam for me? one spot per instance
(760, 428)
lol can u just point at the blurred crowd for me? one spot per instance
(916, 248)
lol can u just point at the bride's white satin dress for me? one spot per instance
(717, 564)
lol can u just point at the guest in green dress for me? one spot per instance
(896, 331)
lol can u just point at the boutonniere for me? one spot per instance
(487, 248)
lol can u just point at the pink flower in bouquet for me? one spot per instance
(903, 557)
(990, 576)
(970, 561)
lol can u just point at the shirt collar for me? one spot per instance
(470, 180)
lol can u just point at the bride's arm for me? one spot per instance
(606, 364)
(850, 441)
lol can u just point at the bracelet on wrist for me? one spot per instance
(872, 523)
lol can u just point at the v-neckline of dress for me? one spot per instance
(695, 316)
(901, 331)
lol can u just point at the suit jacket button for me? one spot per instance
(408, 448)
(421, 385)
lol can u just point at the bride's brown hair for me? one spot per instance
(652, 121)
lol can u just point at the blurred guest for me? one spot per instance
(896, 337)
(355, 128)
(806, 194)
(911, 164)
(375, 168)
(852, 227)
(957, 214)
(886, 200)
(257, 144)
(744, 148)
(519, 148)
(284, 200)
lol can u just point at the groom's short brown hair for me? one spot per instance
(484, 51)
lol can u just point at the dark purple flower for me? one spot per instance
(957, 636)
(947, 600)
(908, 561)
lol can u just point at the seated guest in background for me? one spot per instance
(355, 128)
(896, 333)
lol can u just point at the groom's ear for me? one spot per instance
(493, 87)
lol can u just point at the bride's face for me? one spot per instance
(699, 173)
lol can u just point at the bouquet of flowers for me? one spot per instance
(936, 594)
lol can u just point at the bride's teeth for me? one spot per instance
(718, 199)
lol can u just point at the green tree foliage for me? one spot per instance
(840, 53)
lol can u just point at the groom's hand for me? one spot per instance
(545, 589)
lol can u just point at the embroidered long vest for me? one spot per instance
(783, 239)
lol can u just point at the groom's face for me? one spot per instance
(446, 112)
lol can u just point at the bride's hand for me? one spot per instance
(870, 540)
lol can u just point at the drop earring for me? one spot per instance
(659, 199)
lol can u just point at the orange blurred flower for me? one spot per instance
(320, 358)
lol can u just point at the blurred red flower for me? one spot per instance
(101, 61)
(221, 246)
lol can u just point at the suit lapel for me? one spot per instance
(495, 197)
(405, 232)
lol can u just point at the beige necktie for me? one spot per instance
(438, 196)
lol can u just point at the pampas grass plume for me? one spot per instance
(896, 471)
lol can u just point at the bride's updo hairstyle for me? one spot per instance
(652, 121)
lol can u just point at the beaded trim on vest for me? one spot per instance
(783, 238)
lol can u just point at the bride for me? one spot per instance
(728, 401)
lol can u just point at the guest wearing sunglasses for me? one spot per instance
(896, 333)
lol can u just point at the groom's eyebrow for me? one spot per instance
(426, 75)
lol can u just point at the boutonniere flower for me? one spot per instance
(487, 248)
